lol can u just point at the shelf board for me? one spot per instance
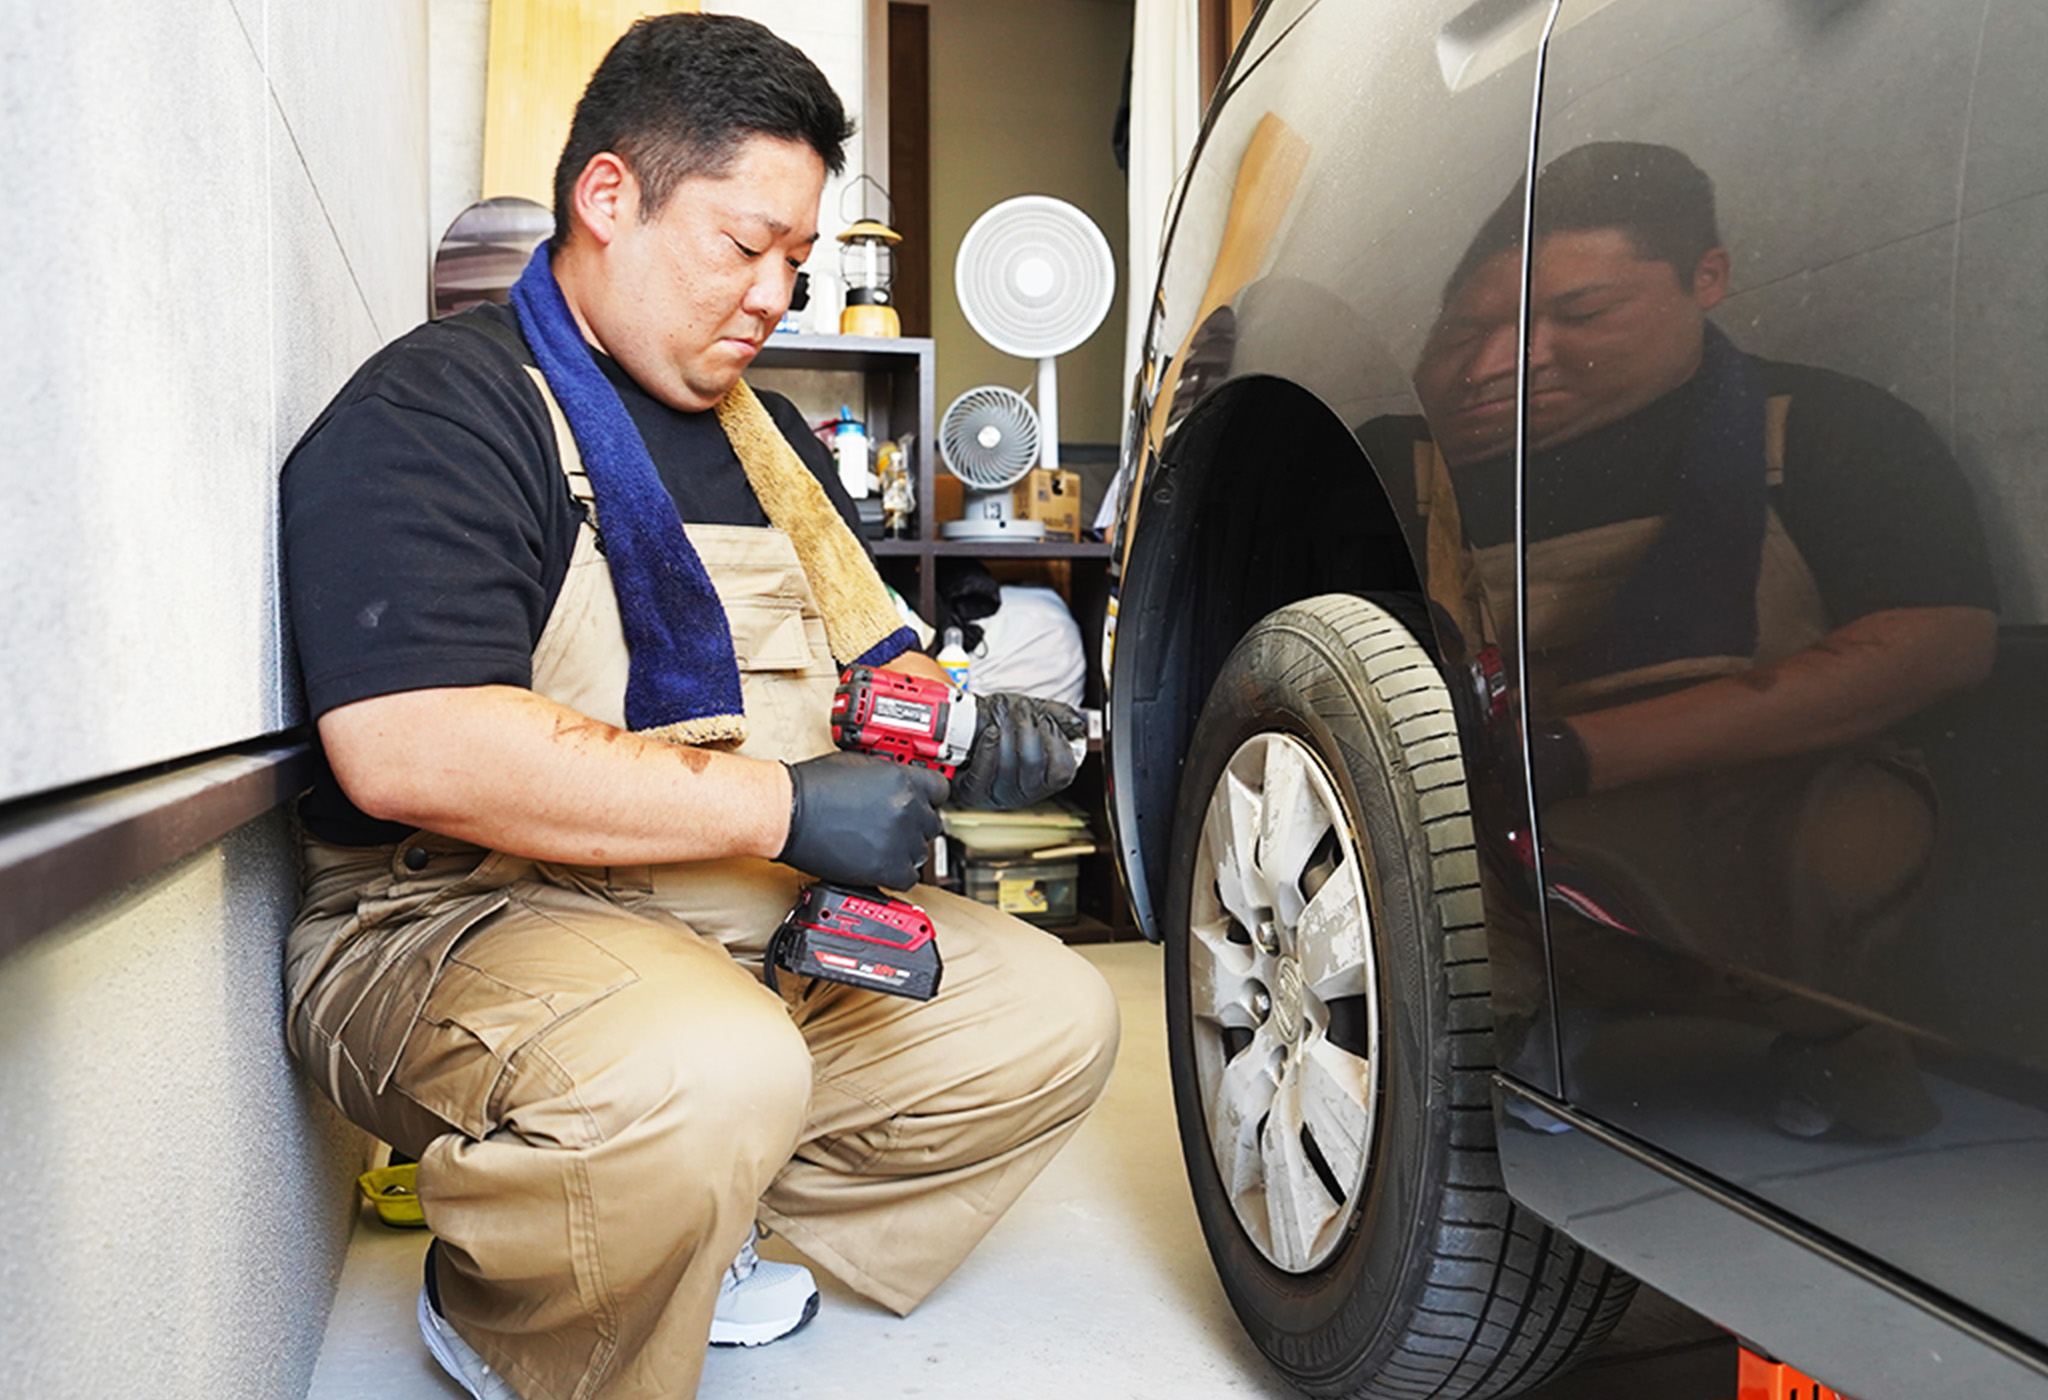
(1021, 549)
(983, 549)
(1085, 928)
(841, 352)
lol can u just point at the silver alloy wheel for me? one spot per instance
(1285, 1000)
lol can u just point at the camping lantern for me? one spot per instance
(867, 265)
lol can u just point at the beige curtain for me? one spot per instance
(1166, 114)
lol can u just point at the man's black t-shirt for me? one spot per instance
(1871, 496)
(428, 526)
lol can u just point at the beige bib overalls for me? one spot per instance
(1795, 866)
(602, 1093)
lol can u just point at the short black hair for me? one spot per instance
(1654, 194)
(678, 95)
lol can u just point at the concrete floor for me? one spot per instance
(1096, 1284)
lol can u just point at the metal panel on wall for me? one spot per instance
(229, 215)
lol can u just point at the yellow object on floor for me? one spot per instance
(394, 1191)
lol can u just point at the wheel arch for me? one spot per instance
(1261, 497)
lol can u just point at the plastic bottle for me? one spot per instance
(850, 446)
(953, 656)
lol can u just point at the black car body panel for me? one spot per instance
(1785, 1289)
(1315, 285)
(1860, 1057)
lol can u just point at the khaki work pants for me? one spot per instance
(603, 1095)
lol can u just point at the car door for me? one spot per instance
(1779, 471)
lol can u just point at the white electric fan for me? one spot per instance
(989, 439)
(1035, 277)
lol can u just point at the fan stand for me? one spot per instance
(1048, 407)
(989, 517)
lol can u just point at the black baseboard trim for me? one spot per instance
(61, 851)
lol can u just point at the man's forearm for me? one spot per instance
(1855, 683)
(916, 663)
(507, 769)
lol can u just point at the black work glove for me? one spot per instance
(1023, 752)
(859, 820)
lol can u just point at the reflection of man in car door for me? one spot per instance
(1740, 573)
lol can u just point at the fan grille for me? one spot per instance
(1035, 276)
(989, 437)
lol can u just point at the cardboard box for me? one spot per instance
(1051, 498)
(949, 498)
(1038, 891)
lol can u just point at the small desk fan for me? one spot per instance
(989, 439)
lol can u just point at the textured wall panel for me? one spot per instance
(458, 37)
(202, 190)
(181, 1197)
(135, 337)
(220, 210)
(351, 84)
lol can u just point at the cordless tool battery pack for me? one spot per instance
(861, 937)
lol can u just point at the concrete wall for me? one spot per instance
(458, 54)
(177, 1197)
(1023, 101)
(218, 209)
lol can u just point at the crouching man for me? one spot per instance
(570, 601)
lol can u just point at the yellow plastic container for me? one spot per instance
(394, 1191)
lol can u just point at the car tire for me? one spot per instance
(1330, 1037)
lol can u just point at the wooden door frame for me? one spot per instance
(1220, 23)
(909, 170)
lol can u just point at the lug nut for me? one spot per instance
(1262, 1004)
(1267, 937)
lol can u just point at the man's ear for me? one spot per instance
(604, 196)
(1710, 278)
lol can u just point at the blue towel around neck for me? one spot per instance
(682, 666)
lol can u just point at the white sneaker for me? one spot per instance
(761, 1301)
(457, 1357)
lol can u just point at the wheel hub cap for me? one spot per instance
(1283, 992)
(1287, 995)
